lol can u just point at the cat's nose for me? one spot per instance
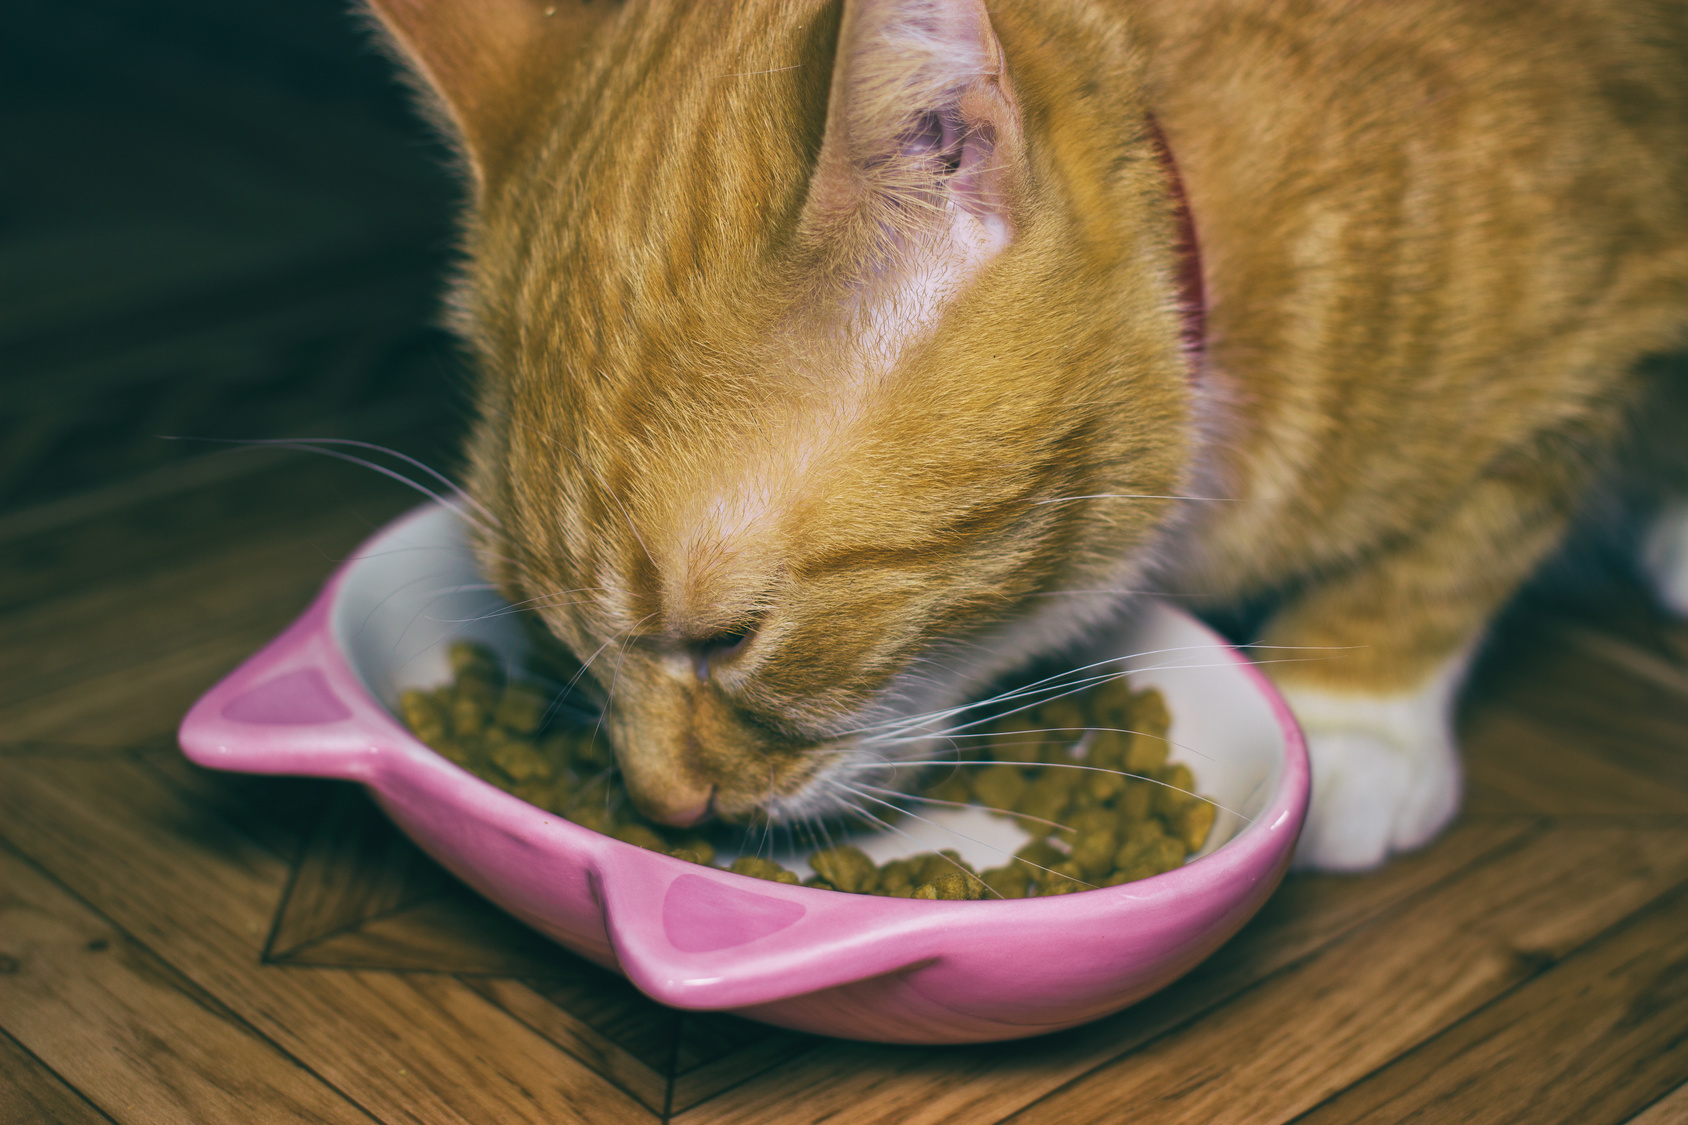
(677, 804)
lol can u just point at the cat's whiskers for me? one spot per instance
(316, 445)
(754, 73)
(1048, 683)
(527, 605)
(1142, 496)
(966, 805)
(456, 489)
(1079, 731)
(953, 832)
(1055, 766)
(1124, 593)
(626, 637)
(914, 722)
(575, 679)
(1051, 682)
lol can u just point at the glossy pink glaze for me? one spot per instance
(894, 970)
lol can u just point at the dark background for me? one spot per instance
(217, 220)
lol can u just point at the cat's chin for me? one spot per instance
(1386, 770)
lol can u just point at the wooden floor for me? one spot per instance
(219, 222)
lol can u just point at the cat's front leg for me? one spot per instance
(1386, 768)
(1371, 658)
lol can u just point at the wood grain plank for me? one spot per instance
(304, 498)
(1589, 1042)
(609, 1002)
(125, 660)
(410, 1048)
(867, 1083)
(456, 932)
(113, 1020)
(744, 1062)
(30, 1094)
(645, 1080)
(277, 812)
(1281, 1048)
(1516, 761)
(355, 866)
(1672, 1109)
(119, 657)
(1581, 711)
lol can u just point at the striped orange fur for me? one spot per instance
(823, 346)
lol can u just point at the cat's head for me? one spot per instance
(819, 346)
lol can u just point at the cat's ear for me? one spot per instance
(923, 133)
(488, 65)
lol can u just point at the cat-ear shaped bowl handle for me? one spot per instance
(706, 939)
(294, 707)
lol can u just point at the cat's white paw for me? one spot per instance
(1386, 773)
(1664, 556)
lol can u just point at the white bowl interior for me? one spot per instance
(415, 589)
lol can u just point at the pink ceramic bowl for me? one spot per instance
(318, 702)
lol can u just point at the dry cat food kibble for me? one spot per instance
(1085, 775)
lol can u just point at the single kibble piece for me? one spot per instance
(1043, 802)
(1039, 854)
(1145, 754)
(1177, 791)
(521, 708)
(1094, 852)
(1011, 881)
(1136, 800)
(640, 836)
(846, 867)
(926, 868)
(999, 787)
(949, 885)
(1193, 824)
(694, 846)
(1101, 788)
(520, 760)
(758, 868)
(423, 715)
(1063, 721)
(1063, 879)
(896, 879)
(1149, 713)
(468, 715)
(1107, 749)
(1112, 700)
(1018, 739)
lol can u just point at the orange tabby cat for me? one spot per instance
(825, 345)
